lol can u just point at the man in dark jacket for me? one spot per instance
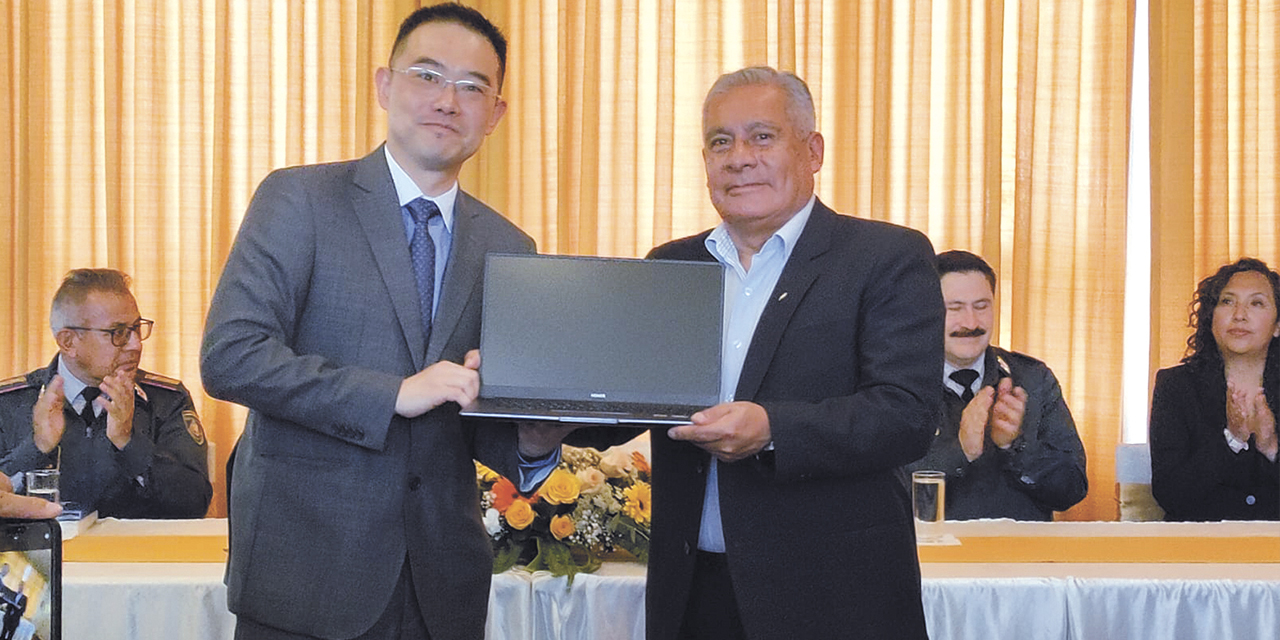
(1006, 441)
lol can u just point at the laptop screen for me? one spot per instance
(611, 329)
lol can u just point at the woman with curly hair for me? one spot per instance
(1213, 417)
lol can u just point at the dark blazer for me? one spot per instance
(1194, 473)
(313, 326)
(1042, 472)
(818, 531)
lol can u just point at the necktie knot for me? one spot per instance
(965, 378)
(422, 210)
(87, 412)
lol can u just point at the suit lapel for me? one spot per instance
(800, 272)
(373, 198)
(463, 271)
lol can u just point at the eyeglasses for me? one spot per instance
(120, 335)
(434, 82)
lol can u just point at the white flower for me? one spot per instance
(615, 463)
(593, 481)
(492, 523)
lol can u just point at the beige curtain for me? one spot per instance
(997, 127)
(1215, 145)
(134, 133)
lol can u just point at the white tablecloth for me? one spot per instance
(105, 601)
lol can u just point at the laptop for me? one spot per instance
(605, 341)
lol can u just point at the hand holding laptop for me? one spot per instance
(439, 383)
(730, 431)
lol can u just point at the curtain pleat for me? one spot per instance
(1214, 150)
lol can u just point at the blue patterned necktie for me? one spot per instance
(422, 252)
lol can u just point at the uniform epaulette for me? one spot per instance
(14, 383)
(1021, 358)
(157, 380)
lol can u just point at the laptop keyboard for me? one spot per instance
(622, 408)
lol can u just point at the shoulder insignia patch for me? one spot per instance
(14, 383)
(193, 426)
(157, 380)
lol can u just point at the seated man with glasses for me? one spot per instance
(128, 443)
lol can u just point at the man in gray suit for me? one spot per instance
(346, 321)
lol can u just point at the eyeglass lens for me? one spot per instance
(120, 335)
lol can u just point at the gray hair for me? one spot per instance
(799, 101)
(76, 287)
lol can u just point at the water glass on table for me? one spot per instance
(928, 505)
(43, 483)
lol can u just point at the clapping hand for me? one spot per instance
(47, 421)
(1006, 414)
(117, 400)
(999, 409)
(1248, 414)
(973, 422)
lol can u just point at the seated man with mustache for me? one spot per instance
(1007, 441)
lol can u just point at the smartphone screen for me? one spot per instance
(30, 579)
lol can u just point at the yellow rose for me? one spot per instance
(639, 502)
(561, 488)
(562, 527)
(520, 514)
(615, 463)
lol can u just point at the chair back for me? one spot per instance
(1133, 483)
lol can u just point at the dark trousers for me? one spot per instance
(712, 611)
(402, 619)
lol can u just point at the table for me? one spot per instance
(146, 600)
(1111, 588)
(1116, 586)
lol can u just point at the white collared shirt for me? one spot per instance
(980, 366)
(746, 293)
(441, 228)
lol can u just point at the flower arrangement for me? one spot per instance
(591, 505)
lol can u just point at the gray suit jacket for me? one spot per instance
(313, 326)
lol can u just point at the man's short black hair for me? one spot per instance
(957, 261)
(457, 14)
